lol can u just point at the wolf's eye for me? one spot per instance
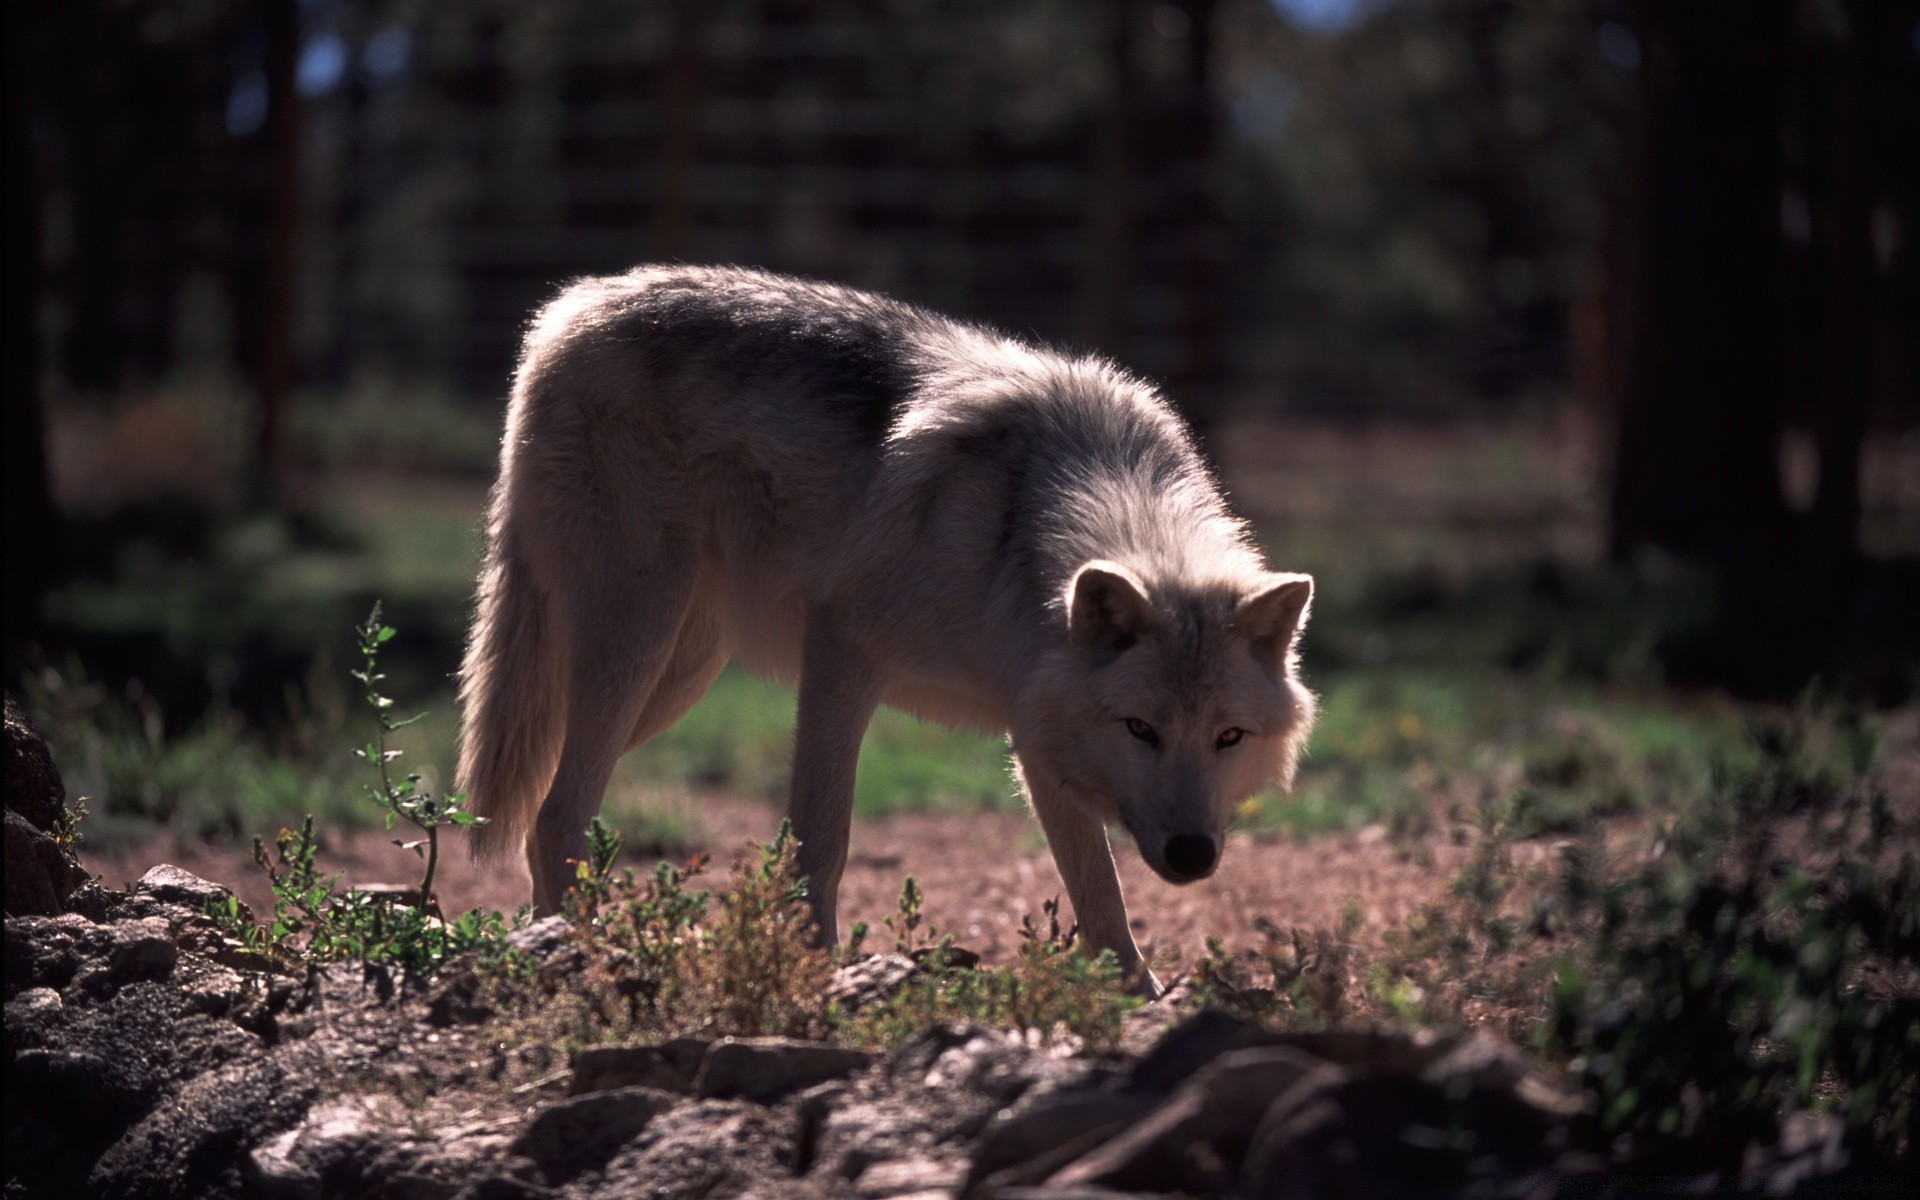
(1143, 731)
(1231, 737)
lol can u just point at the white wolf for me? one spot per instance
(884, 506)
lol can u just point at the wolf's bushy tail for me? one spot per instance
(513, 700)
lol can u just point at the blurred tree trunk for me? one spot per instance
(682, 80)
(1110, 207)
(1696, 468)
(1846, 291)
(1197, 385)
(32, 540)
(283, 227)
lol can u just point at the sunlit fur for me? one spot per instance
(885, 506)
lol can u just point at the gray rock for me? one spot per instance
(670, 1067)
(40, 874)
(44, 951)
(986, 1063)
(909, 1177)
(869, 982)
(543, 939)
(126, 951)
(34, 787)
(194, 1145)
(316, 1157)
(764, 1068)
(708, 1148)
(1027, 1144)
(35, 1006)
(585, 1131)
(1192, 1140)
(503, 1187)
(172, 885)
(1389, 1133)
(1062, 1193)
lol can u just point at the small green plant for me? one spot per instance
(403, 799)
(1295, 979)
(664, 959)
(313, 921)
(1051, 989)
(66, 830)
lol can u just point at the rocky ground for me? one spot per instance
(148, 1055)
(981, 875)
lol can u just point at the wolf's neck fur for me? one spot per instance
(1136, 492)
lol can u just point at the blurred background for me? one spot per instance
(1572, 344)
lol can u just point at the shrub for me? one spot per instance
(313, 922)
(1766, 960)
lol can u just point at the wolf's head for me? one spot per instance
(1169, 706)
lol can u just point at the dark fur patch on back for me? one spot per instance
(848, 350)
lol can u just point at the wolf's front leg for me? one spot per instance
(838, 693)
(1078, 840)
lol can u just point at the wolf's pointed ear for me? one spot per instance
(1107, 610)
(1271, 617)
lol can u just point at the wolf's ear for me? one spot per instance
(1271, 617)
(1107, 610)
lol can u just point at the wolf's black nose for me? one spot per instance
(1190, 856)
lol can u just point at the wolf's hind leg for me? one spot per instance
(622, 637)
(838, 692)
(699, 655)
(1078, 840)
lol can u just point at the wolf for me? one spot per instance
(880, 505)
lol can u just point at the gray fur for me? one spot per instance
(883, 505)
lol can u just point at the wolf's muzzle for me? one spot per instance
(1190, 856)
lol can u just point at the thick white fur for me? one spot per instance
(1030, 547)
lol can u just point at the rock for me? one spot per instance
(503, 1187)
(582, 1132)
(44, 951)
(909, 1177)
(34, 787)
(670, 1068)
(995, 1065)
(763, 1068)
(709, 1148)
(1062, 1193)
(1191, 1142)
(172, 885)
(314, 1158)
(1391, 1134)
(1025, 1145)
(32, 1007)
(869, 982)
(40, 872)
(1192, 1044)
(543, 939)
(1208, 1034)
(195, 1144)
(458, 996)
(128, 951)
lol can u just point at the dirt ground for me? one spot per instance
(980, 873)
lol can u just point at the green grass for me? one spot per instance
(740, 737)
(1399, 747)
